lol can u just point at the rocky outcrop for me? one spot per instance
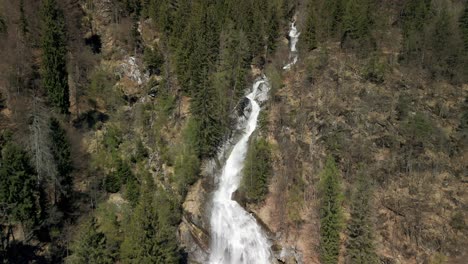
(194, 229)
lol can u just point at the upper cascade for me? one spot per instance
(293, 38)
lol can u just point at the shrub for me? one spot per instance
(153, 60)
(112, 183)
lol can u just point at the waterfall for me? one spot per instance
(293, 38)
(236, 236)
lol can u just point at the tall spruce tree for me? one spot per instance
(360, 244)
(463, 23)
(3, 25)
(414, 17)
(207, 116)
(150, 235)
(273, 24)
(310, 30)
(18, 185)
(90, 246)
(330, 213)
(356, 20)
(54, 52)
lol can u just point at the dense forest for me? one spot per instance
(112, 114)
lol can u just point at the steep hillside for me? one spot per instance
(117, 117)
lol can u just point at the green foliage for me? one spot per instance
(310, 29)
(116, 179)
(458, 221)
(330, 213)
(419, 128)
(61, 152)
(257, 170)
(3, 25)
(463, 24)
(141, 152)
(112, 138)
(187, 163)
(102, 86)
(375, 70)
(18, 185)
(272, 29)
(110, 226)
(112, 183)
(23, 23)
(360, 244)
(150, 236)
(132, 191)
(90, 246)
(54, 52)
(295, 203)
(438, 258)
(210, 129)
(153, 60)
(357, 22)
(403, 106)
(414, 17)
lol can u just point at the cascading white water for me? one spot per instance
(293, 38)
(236, 236)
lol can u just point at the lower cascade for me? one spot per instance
(236, 236)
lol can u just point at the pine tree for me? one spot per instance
(272, 28)
(90, 246)
(443, 49)
(3, 25)
(54, 52)
(150, 236)
(257, 170)
(360, 246)
(230, 79)
(330, 213)
(208, 119)
(356, 20)
(464, 27)
(310, 31)
(332, 14)
(18, 185)
(23, 21)
(414, 17)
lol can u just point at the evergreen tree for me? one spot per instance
(230, 79)
(332, 15)
(3, 25)
(18, 185)
(23, 21)
(90, 246)
(414, 17)
(60, 149)
(356, 20)
(330, 213)
(273, 24)
(205, 109)
(54, 52)
(257, 170)
(444, 47)
(310, 31)
(464, 27)
(360, 246)
(150, 236)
